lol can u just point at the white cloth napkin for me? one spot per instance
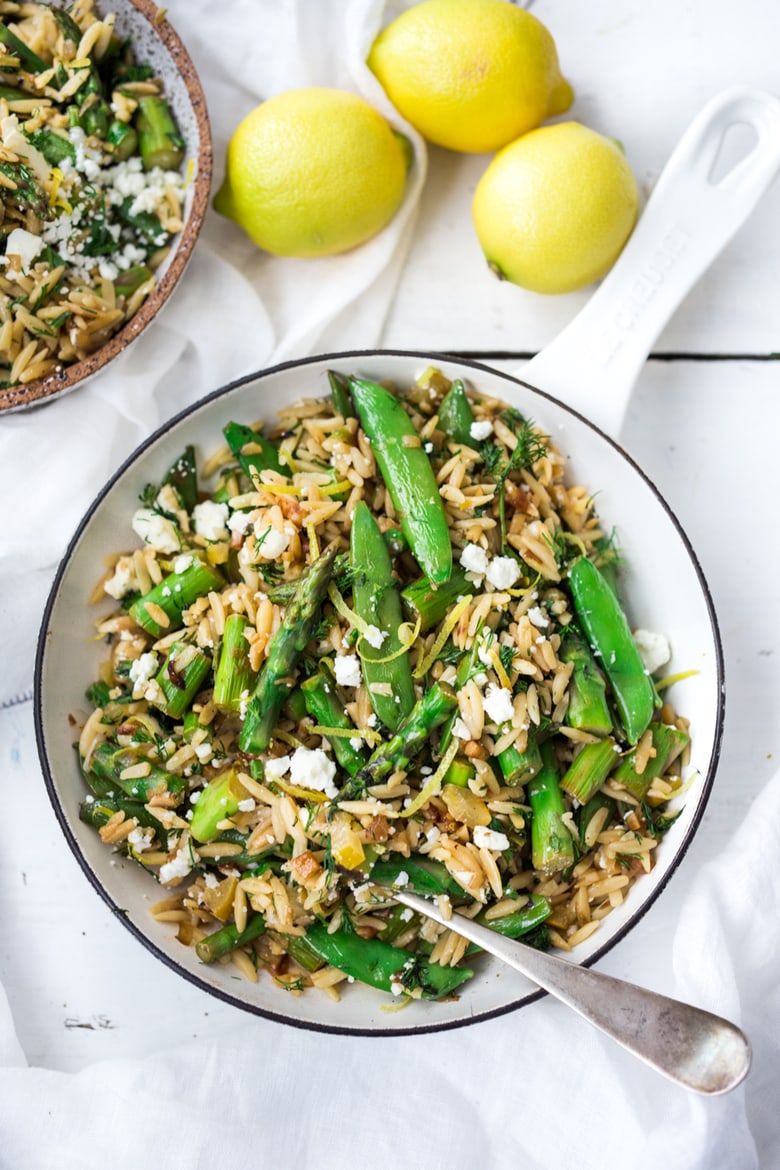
(236, 310)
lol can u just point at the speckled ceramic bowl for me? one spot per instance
(156, 42)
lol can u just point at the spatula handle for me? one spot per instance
(690, 216)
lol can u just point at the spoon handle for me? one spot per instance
(692, 1047)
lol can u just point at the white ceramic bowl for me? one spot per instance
(664, 591)
(156, 43)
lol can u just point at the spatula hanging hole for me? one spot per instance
(739, 140)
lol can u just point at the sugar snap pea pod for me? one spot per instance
(376, 600)
(218, 800)
(590, 768)
(417, 873)
(381, 965)
(428, 713)
(110, 762)
(98, 812)
(668, 742)
(28, 60)
(264, 455)
(228, 938)
(552, 845)
(234, 678)
(588, 709)
(284, 650)
(339, 391)
(173, 595)
(160, 143)
(607, 630)
(456, 415)
(180, 677)
(319, 695)
(408, 476)
(424, 602)
(527, 918)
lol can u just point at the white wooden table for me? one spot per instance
(703, 423)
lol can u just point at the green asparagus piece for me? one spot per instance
(382, 965)
(408, 477)
(234, 679)
(319, 695)
(265, 457)
(589, 810)
(123, 138)
(174, 594)
(590, 768)
(419, 874)
(668, 742)
(28, 60)
(421, 600)
(228, 938)
(109, 762)
(28, 194)
(459, 772)
(180, 677)
(456, 415)
(283, 593)
(588, 709)
(217, 801)
(376, 600)
(552, 845)
(284, 650)
(339, 391)
(159, 140)
(428, 713)
(609, 635)
(518, 767)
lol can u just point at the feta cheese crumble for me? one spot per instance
(178, 867)
(537, 617)
(347, 669)
(210, 520)
(157, 531)
(474, 559)
(654, 649)
(481, 429)
(498, 703)
(270, 542)
(311, 768)
(144, 669)
(277, 767)
(503, 572)
(25, 245)
(485, 838)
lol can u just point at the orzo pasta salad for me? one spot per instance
(91, 184)
(378, 646)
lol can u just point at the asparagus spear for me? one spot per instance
(28, 60)
(423, 876)
(428, 604)
(552, 846)
(180, 677)
(282, 593)
(376, 600)
(160, 142)
(397, 752)
(590, 768)
(228, 938)
(123, 138)
(668, 742)
(218, 800)
(284, 650)
(319, 695)
(98, 812)
(517, 767)
(234, 679)
(110, 762)
(588, 709)
(173, 595)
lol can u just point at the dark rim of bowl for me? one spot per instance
(254, 1009)
(69, 377)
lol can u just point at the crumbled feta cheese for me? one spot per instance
(210, 520)
(312, 769)
(432, 835)
(397, 987)
(481, 429)
(247, 805)
(503, 572)
(277, 767)
(25, 245)
(270, 542)
(123, 579)
(537, 617)
(375, 637)
(157, 531)
(140, 838)
(347, 669)
(182, 563)
(204, 752)
(355, 742)
(654, 649)
(402, 879)
(211, 880)
(485, 838)
(498, 703)
(178, 867)
(144, 668)
(460, 730)
(474, 559)
(239, 522)
(406, 914)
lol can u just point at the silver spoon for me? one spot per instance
(692, 1047)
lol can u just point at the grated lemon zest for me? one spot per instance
(663, 683)
(449, 624)
(406, 642)
(340, 605)
(334, 488)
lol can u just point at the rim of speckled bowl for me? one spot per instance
(44, 390)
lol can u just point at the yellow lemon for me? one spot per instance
(312, 172)
(470, 75)
(554, 209)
